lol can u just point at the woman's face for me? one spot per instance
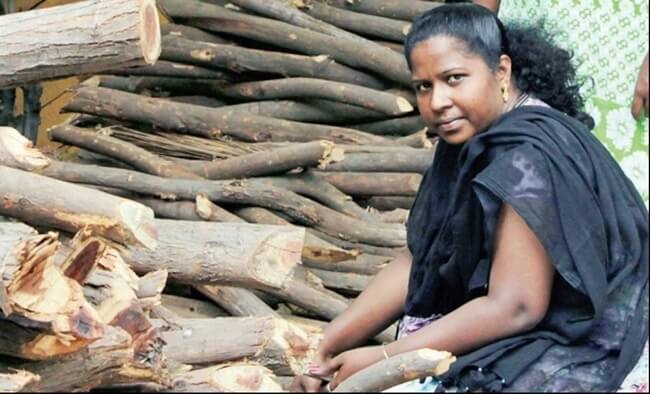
(458, 94)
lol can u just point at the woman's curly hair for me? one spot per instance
(539, 66)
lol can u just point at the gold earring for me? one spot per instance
(505, 94)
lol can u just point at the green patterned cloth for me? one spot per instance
(610, 40)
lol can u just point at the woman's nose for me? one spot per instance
(440, 99)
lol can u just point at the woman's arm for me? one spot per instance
(519, 292)
(379, 305)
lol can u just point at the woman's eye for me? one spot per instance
(422, 87)
(456, 78)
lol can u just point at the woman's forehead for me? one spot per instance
(440, 52)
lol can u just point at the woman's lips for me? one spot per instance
(449, 126)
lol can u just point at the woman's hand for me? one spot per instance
(347, 364)
(640, 102)
(310, 383)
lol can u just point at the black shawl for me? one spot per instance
(591, 220)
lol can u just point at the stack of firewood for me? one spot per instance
(278, 145)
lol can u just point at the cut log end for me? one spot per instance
(277, 257)
(150, 37)
(139, 220)
(404, 105)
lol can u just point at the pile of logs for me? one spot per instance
(220, 206)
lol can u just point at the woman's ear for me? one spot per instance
(504, 70)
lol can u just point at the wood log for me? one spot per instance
(269, 340)
(203, 121)
(165, 68)
(375, 183)
(418, 139)
(65, 206)
(315, 328)
(114, 33)
(364, 264)
(346, 111)
(270, 162)
(357, 247)
(198, 100)
(417, 161)
(388, 203)
(237, 301)
(152, 85)
(101, 142)
(190, 308)
(200, 210)
(222, 253)
(150, 289)
(406, 10)
(249, 192)
(316, 88)
(360, 23)
(399, 126)
(396, 370)
(240, 60)
(398, 215)
(228, 378)
(346, 282)
(191, 33)
(103, 362)
(353, 52)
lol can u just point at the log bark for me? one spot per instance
(268, 340)
(218, 253)
(364, 264)
(190, 33)
(346, 111)
(396, 370)
(101, 142)
(205, 122)
(200, 210)
(240, 60)
(345, 282)
(90, 37)
(228, 378)
(273, 161)
(351, 52)
(316, 88)
(190, 308)
(375, 183)
(417, 161)
(152, 85)
(389, 203)
(237, 301)
(406, 10)
(360, 23)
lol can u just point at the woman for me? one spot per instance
(528, 245)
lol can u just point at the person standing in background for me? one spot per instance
(609, 39)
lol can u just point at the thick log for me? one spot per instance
(89, 37)
(272, 161)
(206, 122)
(152, 85)
(237, 301)
(406, 10)
(104, 362)
(44, 201)
(346, 111)
(389, 203)
(351, 52)
(240, 60)
(198, 100)
(413, 161)
(227, 378)
(268, 340)
(219, 253)
(399, 126)
(375, 183)
(164, 68)
(397, 370)
(360, 23)
(101, 142)
(44, 313)
(316, 88)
